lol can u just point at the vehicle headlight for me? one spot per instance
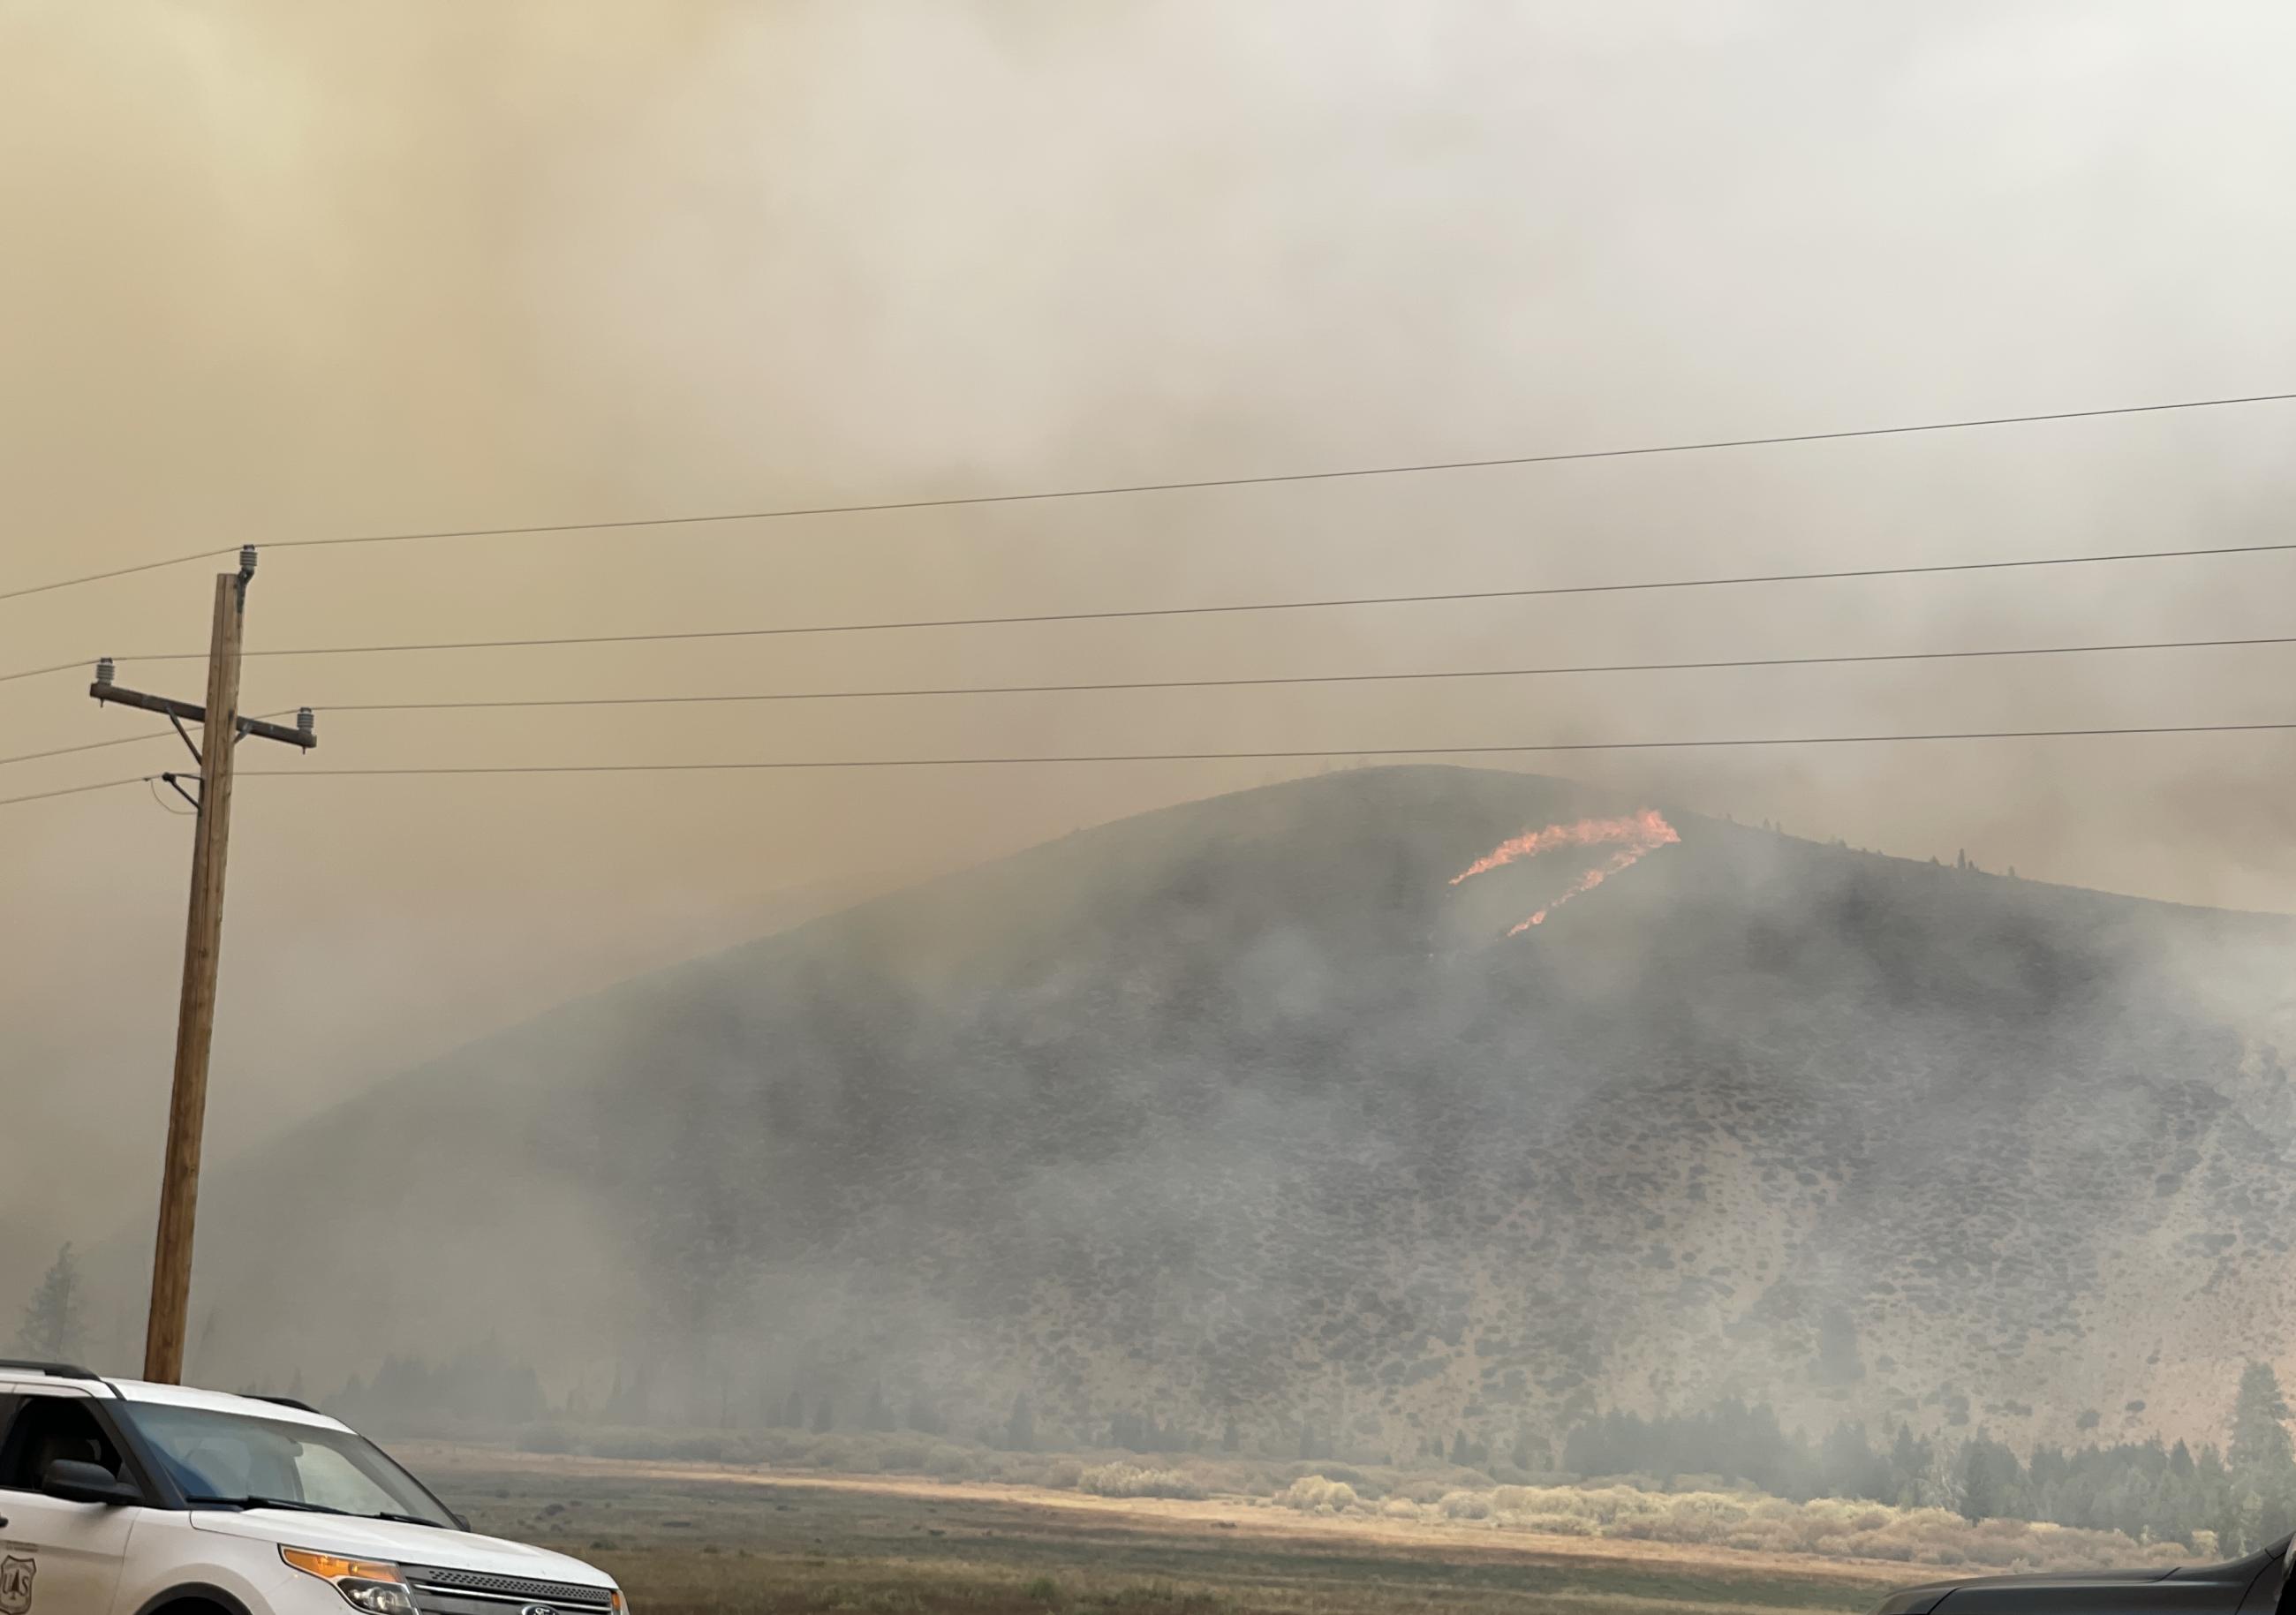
(377, 1588)
(622, 1604)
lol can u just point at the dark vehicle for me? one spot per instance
(2256, 1584)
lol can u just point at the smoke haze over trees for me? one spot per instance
(54, 1326)
(2237, 1498)
(2244, 1494)
(1244, 1127)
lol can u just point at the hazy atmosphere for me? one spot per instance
(279, 273)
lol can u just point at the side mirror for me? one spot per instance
(76, 1481)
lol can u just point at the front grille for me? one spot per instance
(440, 1592)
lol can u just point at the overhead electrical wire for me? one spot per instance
(118, 572)
(121, 740)
(1285, 756)
(1718, 664)
(1130, 612)
(1113, 491)
(58, 667)
(1298, 755)
(1269, 479)
(42, 796)
(1301, 678)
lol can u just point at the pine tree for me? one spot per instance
(54, 1326)
(1847, 1466)
(1992, 1481)
(2261, 1457)
(2261, 1446)
(1909, 1464)
(1941, 1483)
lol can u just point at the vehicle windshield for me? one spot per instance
(219, 1457)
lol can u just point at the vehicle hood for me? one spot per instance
(2130, 1590)
(356, 1538)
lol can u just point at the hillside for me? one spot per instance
(1243, 1113)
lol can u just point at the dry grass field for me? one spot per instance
(688, 1538)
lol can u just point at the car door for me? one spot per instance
(56, 1558)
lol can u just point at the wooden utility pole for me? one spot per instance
(221, 728)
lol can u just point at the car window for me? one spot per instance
(45, 1429)
(232, 1457)
(330, 1480)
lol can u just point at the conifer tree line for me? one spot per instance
(2244, 1492)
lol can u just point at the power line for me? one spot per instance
(1125, 613)
(1716, 665)
(42, 796)
(1412, 469)
(118, 572)
(1201, 756)
(488, 704)
(60, 667)
(122, 740)
(1304, 678)
(1118, 489)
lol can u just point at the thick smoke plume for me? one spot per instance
(373, 267)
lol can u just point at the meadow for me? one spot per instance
(685, 1538)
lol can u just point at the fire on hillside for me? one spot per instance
(1633, 835)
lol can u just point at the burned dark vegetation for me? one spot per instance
(1238, 1126)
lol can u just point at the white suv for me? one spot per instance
(123, 1498)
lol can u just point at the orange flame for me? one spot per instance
(1634, 836)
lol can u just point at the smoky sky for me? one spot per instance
(280, 272)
